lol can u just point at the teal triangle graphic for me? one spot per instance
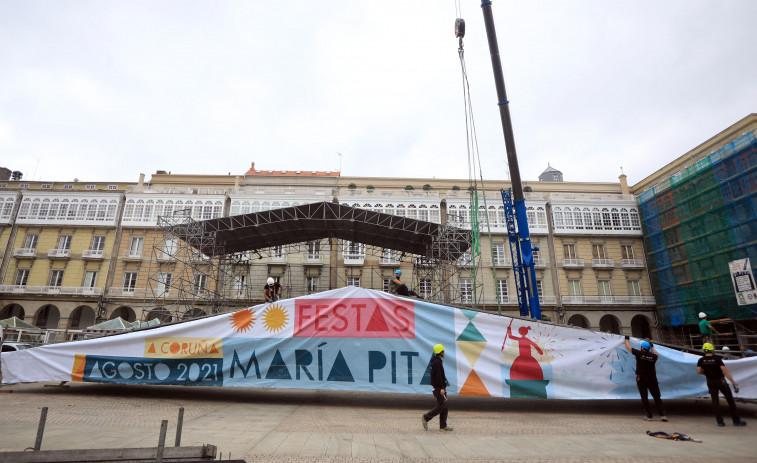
(340, 371)
(469, 313)
(470, 333)
(278, 369)
(426, 379)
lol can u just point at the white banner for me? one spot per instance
(365, 340)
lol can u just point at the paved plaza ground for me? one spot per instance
(279, 425)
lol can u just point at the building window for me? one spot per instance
(90, 279)
(312, 283)
(574, 288)
(89, 187)
(22, 276)
(352, 281)
(201, 282)
(386, 284)
(56, 278)
(112, 187)
(627, 250)
(598, 251)
(68, 186)
(466, 291)
(424, 287)
(314, 249)
(539, 289)
(239, 284)
(164, 283)
(30, 242)
(98, 243)
(168, 190)
(502, 291)
(604, 288)
(3, 185)
(130, 281)
(569, 251)
(277, 251)
(23, 186)
(135, 244)
(353, 248)
(499, 254)
(64, 242)
(634, 288)
(47, 186)
(169, 247)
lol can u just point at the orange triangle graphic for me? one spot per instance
(151, 349)
(213, 349)
(474, 386)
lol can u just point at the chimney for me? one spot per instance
(624, 184)
(141, 179)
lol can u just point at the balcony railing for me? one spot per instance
(573, 263)
(603, 263)
(388, 261)
(25, 252)
(277, 259)
(128, 292)
(539, 262)
(547, 300)
(164, 256)
(59, 253)
(131, 254)
(93, 254)
(502, 262)
(632, 263)
(602, 300)
(354, 259)
(312, 259)
(64, 290)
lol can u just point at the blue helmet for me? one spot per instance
(646, 345)
(398, 272)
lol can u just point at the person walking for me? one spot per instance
(646, 377)
(712, 367)
(439, 383)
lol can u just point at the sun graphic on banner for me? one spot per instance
(242, 320)
(275, 318)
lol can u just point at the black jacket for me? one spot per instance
(438, 379)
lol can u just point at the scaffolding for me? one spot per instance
(193, 275)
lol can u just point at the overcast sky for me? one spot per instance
(105, 90)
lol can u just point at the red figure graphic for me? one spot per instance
(525, 365)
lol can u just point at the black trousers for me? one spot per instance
(645, 384)
(721, 386)
(440, 409)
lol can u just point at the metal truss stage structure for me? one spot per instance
(203, 267)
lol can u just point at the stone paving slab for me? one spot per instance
(276, 425)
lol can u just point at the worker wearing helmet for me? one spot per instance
(396, 286)
(272, 290)
(712, 367)
(705, 327)
(646, 377)
(439, 383)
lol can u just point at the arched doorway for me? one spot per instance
(47, 316)
(159, 313)
(609, 324)
(12, 310)
(640, 327)
(125, 312)
(579, 321)
(193, 313)
(82, 317)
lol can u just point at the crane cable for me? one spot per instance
(474, 164)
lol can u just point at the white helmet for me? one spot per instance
(726, 348)
(702, 315)
(270, 280)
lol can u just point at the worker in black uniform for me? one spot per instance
(646, 377)
(439, 383)
(712, 367)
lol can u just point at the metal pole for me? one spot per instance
(161, 441)
(179, 425)
(40, 429)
